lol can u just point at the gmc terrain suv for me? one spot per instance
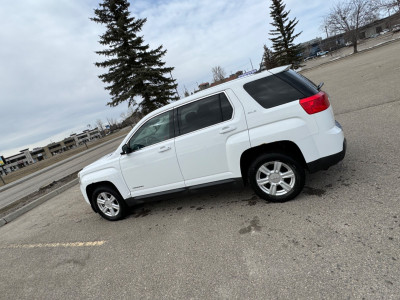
(266, 130)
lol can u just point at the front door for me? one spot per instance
(152, 167)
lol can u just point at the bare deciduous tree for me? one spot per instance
(218, 73)
(99, 125)
(349, 15)
(388, 6)
(112, 123)
(134, 116)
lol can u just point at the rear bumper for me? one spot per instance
(325, 162)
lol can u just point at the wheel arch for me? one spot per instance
(93, 186)
(288, 148)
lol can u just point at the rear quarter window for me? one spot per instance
(300, 82)
(279, 89)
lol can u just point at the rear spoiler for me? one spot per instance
(280, 69)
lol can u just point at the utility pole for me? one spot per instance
(251, 64)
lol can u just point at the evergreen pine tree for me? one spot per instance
(286, 51)
(134, 70)
(186, 92)
(269, 59)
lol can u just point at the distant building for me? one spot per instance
(26, 157)
(378, 26)
(38, 154)
(86, 136)
(204, 86)
(310, 48)
(338, 41)
(69, 143)
(18, 161)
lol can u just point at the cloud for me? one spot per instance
(48, 81)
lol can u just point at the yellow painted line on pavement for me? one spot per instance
(54, 245)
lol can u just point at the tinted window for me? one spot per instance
(204, 113)
(300, 82)
(155, 130)
(272, 91)
(226, 108)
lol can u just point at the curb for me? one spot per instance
(19, 212)
(14, 183)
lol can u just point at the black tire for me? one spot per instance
(112, 200)
(287, 185)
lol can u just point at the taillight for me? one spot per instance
(316, 103)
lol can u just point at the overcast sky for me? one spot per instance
(48, 82)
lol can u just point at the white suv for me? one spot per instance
(266, 130)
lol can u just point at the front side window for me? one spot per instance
(155, 130)
(203, 113)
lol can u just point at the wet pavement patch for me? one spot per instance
(253, 227)
(252, 201)
(144, 212)
(313, 192)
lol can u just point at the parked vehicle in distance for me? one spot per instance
(374, 35)
(349, 44)
(396, 28)
(265, 130)
(384, 31)
(310, 57)
(321, 53)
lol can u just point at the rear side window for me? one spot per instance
(300, 82)
(203, 113)
(279, 89)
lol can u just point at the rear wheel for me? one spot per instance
(109, 203)
(276, 177)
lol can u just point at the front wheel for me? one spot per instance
(109, 203)
(276, 177)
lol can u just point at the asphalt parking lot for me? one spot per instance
(340, 239)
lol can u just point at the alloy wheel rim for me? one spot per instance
(275, 178)
(108, 204)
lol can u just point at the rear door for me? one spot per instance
(211, 135)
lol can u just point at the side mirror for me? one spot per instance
(126, 149)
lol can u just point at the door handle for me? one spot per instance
(227, 129)
(164, 148)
